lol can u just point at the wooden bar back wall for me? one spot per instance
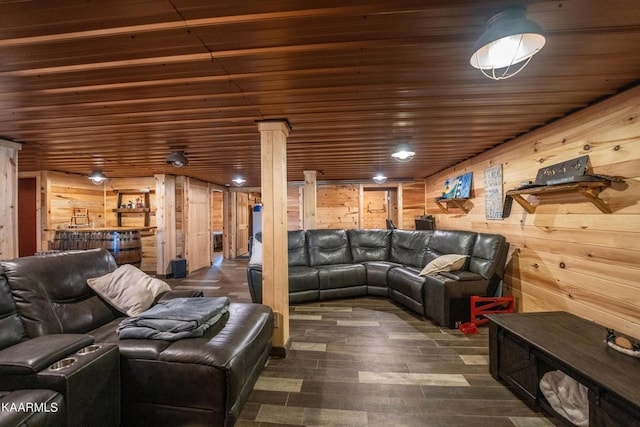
(567, 255)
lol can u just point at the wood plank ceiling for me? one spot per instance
(117, 85)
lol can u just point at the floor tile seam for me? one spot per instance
(307, 412)
(365, 398)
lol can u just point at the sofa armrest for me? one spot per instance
(461, 276)
(31, 356)
(179, 293)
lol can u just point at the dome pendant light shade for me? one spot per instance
(380, 178)
(507, 44)
(97, 177)
(403, 152)
(177, 159)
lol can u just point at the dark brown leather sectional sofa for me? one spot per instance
(49, 314)
(328, 264)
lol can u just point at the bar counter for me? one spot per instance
(124, 243)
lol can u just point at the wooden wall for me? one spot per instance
(294, 207)
(353, 205)
(9, 201)
(375, 209)
(216, 212)
(337, 206)
(113, 185)
(413, 204)
(567, 255)
(64, 192)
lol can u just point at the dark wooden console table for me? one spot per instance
(524, 346)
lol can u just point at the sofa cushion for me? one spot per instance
(409, 247)
(11, 328)
(406, 287)
(341, 276)
(450, 242)
(51, 292)
(377, 272)
(303, 278)
(487, 253)
(128, 289)
(297, 248)
(328, 247)
(369, 245)
(449, 262)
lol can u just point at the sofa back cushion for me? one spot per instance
(51, 292)
(328, 247)
(369, 245)
(444, 242)
(409, 247)
(489, 255)
(297, 248)
(11, 328)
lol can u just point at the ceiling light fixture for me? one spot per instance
(177, 159)
(403, 152)
(97, 177)
(509, 39)
(380, 178)
(238, 181)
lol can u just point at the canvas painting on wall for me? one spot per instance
(458, 187)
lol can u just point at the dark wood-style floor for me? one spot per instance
(368, 362)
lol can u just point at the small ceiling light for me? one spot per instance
(238, 181)
(379, 178)
(97, 177)
(403, 152)
(177, 159)
(509, 39)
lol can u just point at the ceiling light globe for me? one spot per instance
(403, 152)
(97, 177)
(238, 181)
(380, 178)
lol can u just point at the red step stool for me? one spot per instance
(489, 305)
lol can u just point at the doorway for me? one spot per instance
(217, 224)
(380, 205)
(28, 216)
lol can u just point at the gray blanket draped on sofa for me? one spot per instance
(175, 319)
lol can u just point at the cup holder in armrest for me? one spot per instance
(61, 364)
(88, 349)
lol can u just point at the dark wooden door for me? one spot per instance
(27, 221)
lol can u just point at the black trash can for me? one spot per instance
(179, 268)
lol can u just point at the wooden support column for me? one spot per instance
(400, 223)
(9, 202)
(309, 203)
(233, 224)
(165, 222)
(275, 274)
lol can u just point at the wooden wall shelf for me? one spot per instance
(589, 189)
(444, 204)
(146, 210)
